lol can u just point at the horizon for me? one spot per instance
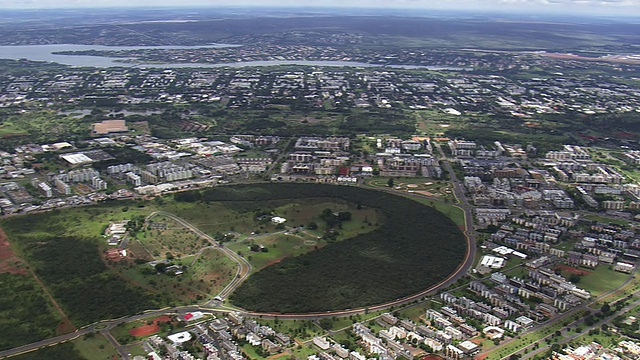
(569, 8)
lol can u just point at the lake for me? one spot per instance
(46, 53)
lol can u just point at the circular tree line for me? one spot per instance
(415, 248)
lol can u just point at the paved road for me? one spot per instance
(458, 192)
(566, 337)
(101, 326)
(116, 345)
(460, 272)
(244, 267)
(568, 314)
(244, 270)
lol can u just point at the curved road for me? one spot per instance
(460, 271)
(244, 267)
(243, 272)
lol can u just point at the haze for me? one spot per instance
(600, 7)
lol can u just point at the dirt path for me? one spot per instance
(66, 325)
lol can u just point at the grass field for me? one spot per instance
(414, 313)
(8, 129)
(281, 243)
(502, 351)
(605, 338)
(299, 330)
(170, 238)
(601, 280)
(136, 350)
(437, 194)
(95, 347)
(124, 337)
(212, 271)
(631, 287)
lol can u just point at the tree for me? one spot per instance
(575, 278)
(161, 267)
(344, 216)
(589, 321)
(390, 182)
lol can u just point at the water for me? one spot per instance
(46, 53)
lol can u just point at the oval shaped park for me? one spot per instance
(416, 248)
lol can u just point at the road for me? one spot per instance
(243, 272)
(100, 327)
(458, 192)
(568, 314)
(244, 267)
(566, 337)
(461, 271)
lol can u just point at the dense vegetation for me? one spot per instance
(24, 311)
(71, 268)
(415, 248)
(64, 351)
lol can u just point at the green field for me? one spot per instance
(503, 350)
(11, 129)
(95, 347)
(601, 280)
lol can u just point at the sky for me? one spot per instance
(597, 7)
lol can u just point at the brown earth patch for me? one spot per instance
(432, 357)
(65, 327)
(275, 261)
(572, 270)
(12, 266)
(145, 330)
(151, 329)
(9, 263)
(283, 354)
(5, 248)
(425, 193)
